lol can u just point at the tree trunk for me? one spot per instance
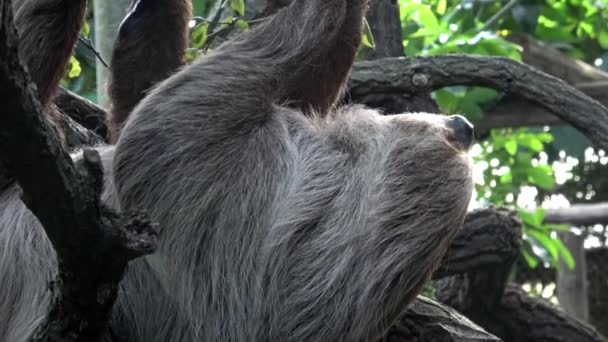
(383, 18)
(572, 284)
(385, 23)
(108, 16)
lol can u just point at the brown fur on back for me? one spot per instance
(48, 30)
(151, 45)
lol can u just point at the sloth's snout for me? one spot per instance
(463, 130)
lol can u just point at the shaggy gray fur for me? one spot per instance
(276, 224)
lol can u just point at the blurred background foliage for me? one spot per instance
(524, 168)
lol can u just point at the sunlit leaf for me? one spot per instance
(533, 219)
(428, 20)
(542, 176)
(86, 29)
(507, 178)
(238, 6)
(602, 39)
(531, 260)
(442, 6)
(199, 35)
(368, 38)
(511, 147)
(241, 25)
(547, 243)
(74, 68)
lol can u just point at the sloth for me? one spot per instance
(283, 215)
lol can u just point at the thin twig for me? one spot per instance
(499, 15)
(89, 44)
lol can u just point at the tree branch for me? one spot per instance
(556, 63)
(414, 75)
(489, 237)
(93, 244)
(496, 17)
(579, 215)
(429, 321)
(83, 111)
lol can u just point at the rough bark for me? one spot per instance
(489, 237)
(597, 278)
(83, 111)
(385, 23)
(411, 75)
(556, 63)
(429, 321)
(516, 317)
(93, 244)
(482, 294)
(512, 112)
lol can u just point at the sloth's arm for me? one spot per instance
(303, 53)
(151, 45)
(48, 30)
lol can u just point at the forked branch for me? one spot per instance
(93, 244)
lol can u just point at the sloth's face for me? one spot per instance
(455, 129)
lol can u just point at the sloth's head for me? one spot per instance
(430, 151)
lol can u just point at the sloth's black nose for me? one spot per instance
(463, 130)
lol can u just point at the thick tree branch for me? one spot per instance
(489, 237)
(413, 75)
(430, 321)
(478, 288)
(93, 244)
(515, 316)
(556, 63)
(83, 111)
(579, 214)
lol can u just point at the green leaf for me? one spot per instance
(482, 95)
(602, 39)
(74, 68)
(238, 6)
(241, 25)
(368, 38)
(471, 110)
(428, 20)
(532, 219)
(507, 178)
(542, 176)
(442, 6)
(511, 147)
(547, 243)
(199, 35)
(86, 30)
(559, 227)
(446, 100)
(565, 254)
(531, 260)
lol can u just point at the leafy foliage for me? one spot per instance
(508, 160)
